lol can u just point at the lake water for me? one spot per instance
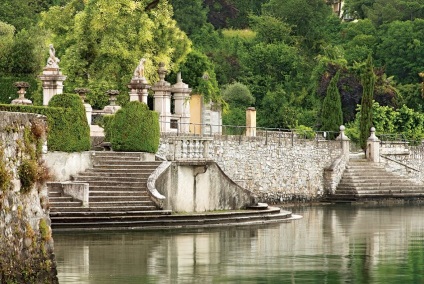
(330, 244)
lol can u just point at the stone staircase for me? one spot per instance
(118, 199)
(363, 180)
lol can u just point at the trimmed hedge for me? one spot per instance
(68, 128)
(134, 128)
(72, 134)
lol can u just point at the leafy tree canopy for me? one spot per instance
(100, 42)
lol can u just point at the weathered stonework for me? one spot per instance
(26, 244)
(276, 169)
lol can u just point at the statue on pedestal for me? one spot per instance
(139, 71)
(52, 61)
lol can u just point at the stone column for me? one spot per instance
(182, 104)
(251, 122)
(82, 92)
(345, 141)
(51, 78)
(373, 147)
(162, 96)
(21, 100)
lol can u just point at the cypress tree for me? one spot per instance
(331, 115)
(367, 81)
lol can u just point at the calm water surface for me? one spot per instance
(331, 244)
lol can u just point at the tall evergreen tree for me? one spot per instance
(368, 81)
(332, 116)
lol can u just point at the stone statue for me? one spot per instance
(139, 71)
(52, 61)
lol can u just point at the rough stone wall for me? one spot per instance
(276, 169)
(26, 244)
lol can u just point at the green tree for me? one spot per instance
(198, 72)
(100, 42)
(357, 8)
(6, 41)
(238, 97)
(368, 81)
(190, 15)
(309, 19)
(401, 50)
(387, 11)
(331, 115)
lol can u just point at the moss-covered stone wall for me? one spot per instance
(26, 243)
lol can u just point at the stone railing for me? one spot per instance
(180, 148)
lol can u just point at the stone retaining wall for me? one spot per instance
(26, 244)
(276, 169)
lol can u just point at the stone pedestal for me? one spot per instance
(162, 103)
(182, 104)
(138, 89)
(251, 122)
(373, 147)
(21, 100)
(52, 80)
(112, 107)
(345, 141)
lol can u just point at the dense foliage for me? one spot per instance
(284, 51)
(134, 128)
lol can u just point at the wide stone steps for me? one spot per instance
(365, 180)
(163, 221)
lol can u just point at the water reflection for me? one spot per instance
(331, 244)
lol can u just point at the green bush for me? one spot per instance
(72, 134)
(134, 128)
(27, 172)
(68, 130)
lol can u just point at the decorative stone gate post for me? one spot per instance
(52, 79)
(373, 147)
(182, 104)
(162, 102)
(344, 140)
(251, 122)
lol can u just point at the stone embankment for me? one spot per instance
(26, 244)
(276, 168)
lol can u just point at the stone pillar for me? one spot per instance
(345, 141)
(182, 104)
(21, 100)
(162, 96)
(52, 79)
(82, 92)
(112, 107)
(373, 147)
(251, 122)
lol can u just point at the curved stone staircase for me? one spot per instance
(364, 180)
(119, 199)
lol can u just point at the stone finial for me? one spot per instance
(82, 92)
(112, 96)
(372, 136)
(52, 61)
(162, 71)
(342, 135)
(21, 100)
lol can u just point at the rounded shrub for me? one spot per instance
(27, 172)
(72, 133)
(134, 128)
